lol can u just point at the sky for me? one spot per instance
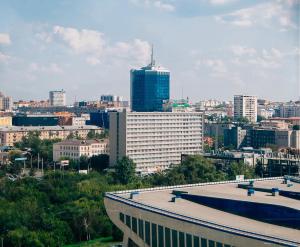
(213, 48)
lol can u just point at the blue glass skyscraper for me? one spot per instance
(150, 87)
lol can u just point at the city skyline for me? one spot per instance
(220, 47)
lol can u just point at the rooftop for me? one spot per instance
(226, 205)
(53, 128)
(75, 142)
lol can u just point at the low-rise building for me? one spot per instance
(74, 149)
(11, 135)
(5, 121)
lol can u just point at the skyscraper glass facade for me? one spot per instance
(150, 87)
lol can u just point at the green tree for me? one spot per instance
(240, 169)
(125, 170)
(99, 162)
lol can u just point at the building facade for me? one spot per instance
(74, 149)
(154, 140)
(235, 137)
(289, 110)
(6, 102)
(57, 98)
(5, 121)
(245, 107)
(149, 88)
(11, 135)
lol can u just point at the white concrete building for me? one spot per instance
(74, 149)
(245, 106)
(57, 98)
(154, 140)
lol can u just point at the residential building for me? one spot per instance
(5, 102)
(11, 135)
(5, 121)
(289, 110)
(57, 98)
(150, 88)
(74, 149)
(245, 106)
(154, 140)
(216, 214)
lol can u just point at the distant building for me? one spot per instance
(109, 98)
(5, 102)
(11, 135)
(150, 88)
(245, 107)
(181, 105)
(57, 98)
(154, 140)
(74, 149)
(235, 137)
(5, 121)
(289, 110)
(35, 120)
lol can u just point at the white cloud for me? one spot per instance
(216, 65)
(266, 58)
(49, 68)
(161, 5)
(4, 58)
(242, 50)
(96, 47)
(221, 2)
(81, 41)
(266, 14)
(5, 39)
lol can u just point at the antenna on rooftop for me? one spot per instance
(152, 55)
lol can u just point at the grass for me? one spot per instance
(100, 242)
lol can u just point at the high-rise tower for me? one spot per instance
(149, 87)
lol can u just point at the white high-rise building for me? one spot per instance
(5, 102)
(245, 106)
(57, 98)
(154, 140)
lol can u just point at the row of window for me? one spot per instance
(158, 236)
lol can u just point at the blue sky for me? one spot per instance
(213, 48)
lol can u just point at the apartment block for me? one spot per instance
(154, 140)
(74, 149)
(11, 135)
(245, 106)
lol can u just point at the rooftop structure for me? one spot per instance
(229, 213)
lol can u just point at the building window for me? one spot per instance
(196, 241)
(147, 232)
(134, 225)
(128, 221)
(141, 229)
(167, 237)
(181, 239)
(219, 245)
(211, 243)
(203, 242)
(154, 235)
(174, 238)
(122, 217)
(160, 236)
(188, 240)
